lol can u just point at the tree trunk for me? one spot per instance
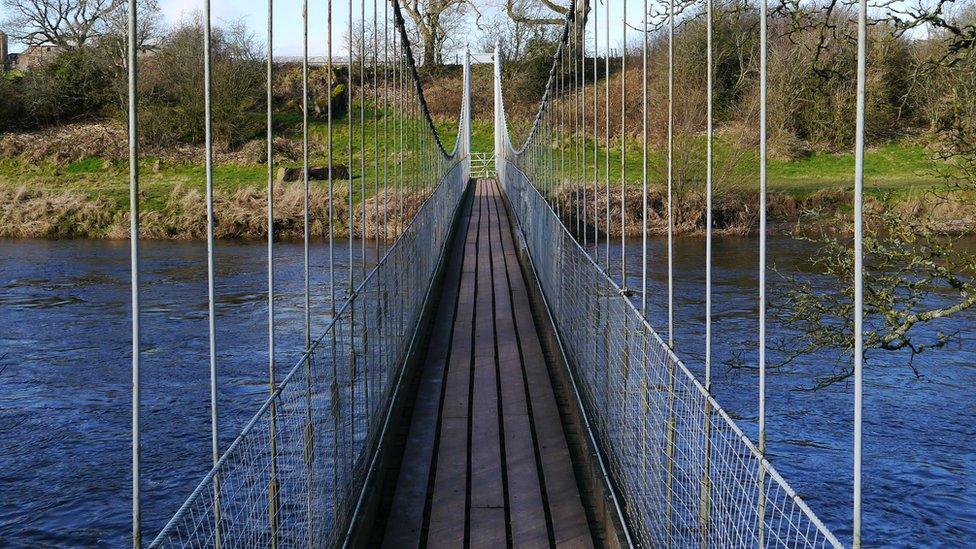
(430, 41)
(429, 49)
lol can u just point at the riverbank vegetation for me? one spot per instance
(72, 181)
(63, 147)
(51, 188)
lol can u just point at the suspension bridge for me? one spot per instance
(486, 379)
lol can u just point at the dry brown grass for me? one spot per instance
(30, 214)
(735, 212)
(241, 214)
(390, 226)
(70, 143)
(66, 144)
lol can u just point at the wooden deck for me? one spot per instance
(485, 463)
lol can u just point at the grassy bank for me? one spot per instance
(895, 167)
(57, 192)
(902, 176)
(50, 189)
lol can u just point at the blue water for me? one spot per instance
(65, 408)
(65, 373)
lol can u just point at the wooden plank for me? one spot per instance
(447, 508)
(448, 499)
(487, 489)
(527, 509)
(405, 521)
(487, 527)
(488, 499)
(570, 525)
(468, 491)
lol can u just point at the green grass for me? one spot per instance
(92, 178)
(98, 179)
(896, 168)
(88, 165)
(893, 167)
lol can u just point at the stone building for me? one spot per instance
(32, 57)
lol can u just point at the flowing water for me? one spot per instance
(65, 408)
(65, 373)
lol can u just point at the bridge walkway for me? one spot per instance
(486, 461)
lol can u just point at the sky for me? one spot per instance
(288, 20)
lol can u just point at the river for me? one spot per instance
(65, 371)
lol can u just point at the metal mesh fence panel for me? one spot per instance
(685, 473)
(293, 475)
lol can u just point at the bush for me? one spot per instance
(171, 88)
(812, 86)
(76, 85)
(11, 103)
(528, 77)
(442, 90)
(340, 102)
(288, 91)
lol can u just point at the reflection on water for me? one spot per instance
(919, 433)
(64, 367)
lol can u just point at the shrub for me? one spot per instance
(288, 91)
(11, 103)
(340, 103)
(172, 108)
(812, 85)
(75, 85)
(528, 77)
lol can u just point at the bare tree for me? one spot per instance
(536, 12)
(433, 21)
(915, 276)
(148, 32)
(67, 24)
(916, 273)
(513, 35)
(547, 13)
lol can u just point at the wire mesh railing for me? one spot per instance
(293, 475)
(683, 473)
(296, 473)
